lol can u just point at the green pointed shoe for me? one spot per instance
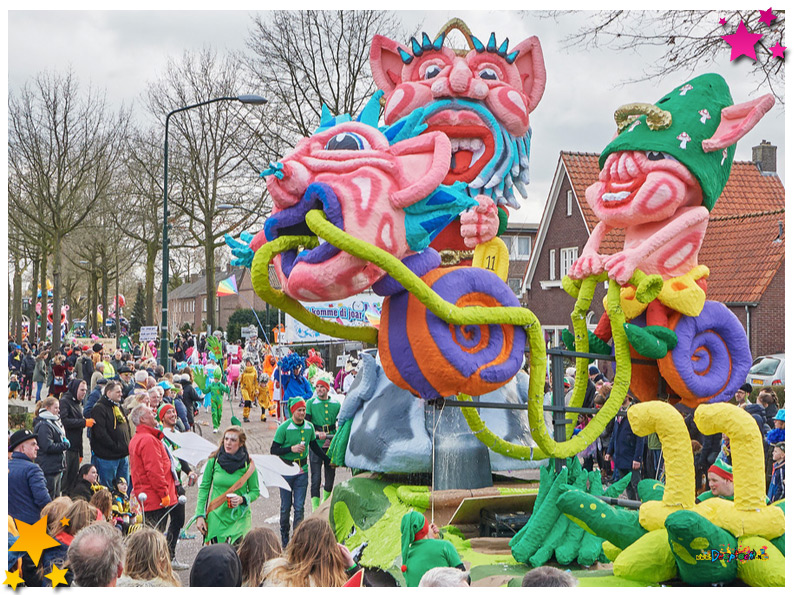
(326, 495)
(315, 503)
(651, 341)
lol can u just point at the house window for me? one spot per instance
(515, 285)
(569, 203)
(522, 248)
(567, 257)
(204, 306)
(552, 265)
(509, 242)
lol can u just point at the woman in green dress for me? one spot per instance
(229, 485)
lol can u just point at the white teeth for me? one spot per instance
(468, 144)
(614, 196)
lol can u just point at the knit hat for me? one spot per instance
(296, 403)
(593, 370)
(746, 387)
(163, 410)
(695, 109)
(413, 525)
(322, 382)
(722, 469)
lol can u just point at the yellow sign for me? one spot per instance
(493, 256)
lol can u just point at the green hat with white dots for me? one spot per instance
(677, 125)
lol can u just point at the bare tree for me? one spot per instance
(688, 38)
(214, 153)
(141, 200)
(62, 149)
(309, 58)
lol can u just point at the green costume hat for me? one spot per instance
(296, 403)
(412, 523)
(677, 125)
(218, 373)
(722, 469)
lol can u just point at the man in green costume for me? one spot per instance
(422, 550)
(322, 411)
(720, 476)
(289, 443)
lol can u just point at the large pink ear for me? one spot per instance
(532, 69)
(385, 62)
(736, 121)
(424, 163)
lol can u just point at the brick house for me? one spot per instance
(744, 248)
(519, 238)
(188, 302)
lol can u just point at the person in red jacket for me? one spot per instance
(152, 474)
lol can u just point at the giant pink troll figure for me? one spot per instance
(481, 100)
(660, 177)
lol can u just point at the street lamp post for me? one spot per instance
(250, 99)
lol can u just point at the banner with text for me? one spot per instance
(360, 310)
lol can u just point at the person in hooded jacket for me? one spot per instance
(26, 369)
(217, 565)
(52, 441)
(73, 422)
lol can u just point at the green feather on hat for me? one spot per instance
(694, 110)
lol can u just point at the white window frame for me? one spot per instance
(569, 203)
(567, 257)
(204, 302)
(552, 265)
(521, 255)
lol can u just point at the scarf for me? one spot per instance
(235, 462)
(53, 420)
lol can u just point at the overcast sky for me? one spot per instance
(121, 51)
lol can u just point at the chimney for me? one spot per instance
(765, 157)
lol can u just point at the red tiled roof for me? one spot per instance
(742, 255)
(747, 191)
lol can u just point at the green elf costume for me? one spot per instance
(293, 432)
(216, 388)
(420, 552)
(322, 412)
(227, 474)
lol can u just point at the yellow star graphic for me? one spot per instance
(33, 539)
(64, 522)
(57, 576)
(13, 579)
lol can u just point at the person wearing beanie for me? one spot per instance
(743, 394)
(422, 550)
(322, 411)
(290, 443)
(720, 476)
(216, 565)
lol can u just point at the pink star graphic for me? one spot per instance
(742, 42)
(723, 21)
(777, 50)
(767, 17)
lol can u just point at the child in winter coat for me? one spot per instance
(13, 387)
(777, 487)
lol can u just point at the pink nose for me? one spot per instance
(460, 77)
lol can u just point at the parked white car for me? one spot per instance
(768, 370)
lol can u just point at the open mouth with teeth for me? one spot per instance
(617, 194)
(472, 143)
(292, 222)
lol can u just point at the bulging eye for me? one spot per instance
(432, 71)
(488, 74)
(658, 156)
(347, 141)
